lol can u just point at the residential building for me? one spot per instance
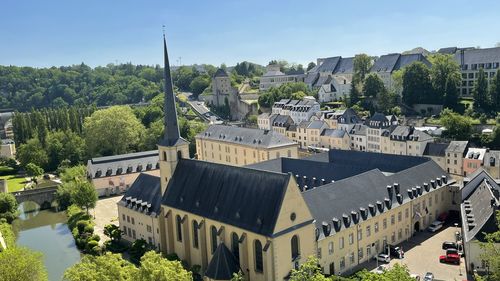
(112, 175)
(242, 146)
(299, 111)
(7, 148)
(275, 78)
(470, 61)
(281, 123)
(342, 119)
(264, 121)
(437, 152)
(313, 132)
(405, 140)
(335, 139)
(455, 153)
(492, 163)
(386, 65)
(478, 209)
(376, 125)
(358, 134)
(335, 88)
(473, 160)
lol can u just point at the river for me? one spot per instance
(46, 232)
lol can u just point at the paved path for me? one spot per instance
(105, 212)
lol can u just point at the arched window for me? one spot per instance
(195, 235)
(179, 228)
(179, 155)
(213, 231)
(235, 246)
(295, 247)
(259, 263)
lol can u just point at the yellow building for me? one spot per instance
(265, 219)
(242, 146)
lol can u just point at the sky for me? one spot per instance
(97, 32)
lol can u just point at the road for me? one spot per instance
(201, 109)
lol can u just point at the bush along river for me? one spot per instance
(47, 232)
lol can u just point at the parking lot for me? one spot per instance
(422, 255)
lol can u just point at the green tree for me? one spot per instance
(458, 127)
(20, 263)
(491, 252)
(311, 65)
(237, 276)
(64, 145)
(308, 271)
(74, 173)
(112, 131)
(417, 86)
(480, 91)
(495, 92)
(373, 85)
(84, 195)
(139, 248)
(107, 267)
(32, 152)
(33, 170)
(155, 267)
(354, 95)
(8, 207)
(362, 64)
(446, 77)
(113, 232)
(199, 84)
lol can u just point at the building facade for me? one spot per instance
(275, 78)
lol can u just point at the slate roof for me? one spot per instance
(486, 55)
(245, 136)
(356, 197)
(246, 198)
(378, 120)
(316, 124)
(329, 64)
(144, 192)
(322, 80)
(435, 149)
(448, 50)
(122, 164)
(457, 147)
(333, 133)
(385, 63)
(282, 120)
(479, 202)
(358, 129)
(407, 59)
(222, 265)
(346, 65)
(311, 78)
(220, 73)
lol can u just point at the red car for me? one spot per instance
(450, 258)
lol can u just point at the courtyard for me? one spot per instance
(105, 212)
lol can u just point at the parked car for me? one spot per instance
(395, 251)
(450, 258)
(429, 276)
(435, 226)
(383, 258)
(448, 245)
(381, 269)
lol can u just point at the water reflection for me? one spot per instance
(46, 231)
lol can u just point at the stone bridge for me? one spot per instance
(42, 196)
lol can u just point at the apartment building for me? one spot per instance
(405, 140)
(299, 111)
(342, 119)
(377, 125)
(335, 88)
(492, 163)
(470, 61)
(455, 153)
(275, 78)
(242, 146)
(334, 139)
(358, 134)
(473, 160)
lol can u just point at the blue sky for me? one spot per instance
(64, 32)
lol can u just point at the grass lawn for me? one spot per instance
(14, 183)
(4, 170)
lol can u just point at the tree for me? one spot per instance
(139, 248)
(106, 267)
(112, 131)
(491, 252)
(237, 276)
(19, 263)
(353, 95)
(64, 145)
(495, 92)
(155, 267)
(362, 64)
(33, 170)
(417, 86)
(386, 100)
(446, 77)
(73, 173)
(113, 232)
(8, 207)
(84, 195)
(457, 126)
(308, 271)
(480, 91)
(32, 152)
(373, 85)
(311, 65)
(199, 84)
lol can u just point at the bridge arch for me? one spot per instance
(43, 197)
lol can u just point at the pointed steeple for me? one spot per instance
(171, 135)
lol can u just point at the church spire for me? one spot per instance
(171, 135)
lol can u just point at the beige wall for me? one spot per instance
(335, 143)
(137, 225)
(454, 163)
(8, 150)
(106, 186)
(240, 155)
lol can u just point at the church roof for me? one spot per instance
(144, 192)
(246, 198)
(222, 265)
(220, 73)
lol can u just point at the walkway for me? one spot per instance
(105, 212)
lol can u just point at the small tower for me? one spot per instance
(171, 147)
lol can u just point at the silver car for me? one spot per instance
(429, 276)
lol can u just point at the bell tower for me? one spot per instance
(172, 146)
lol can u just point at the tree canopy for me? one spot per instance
(446, 77)
(108, 267)
(417, 86)
(458, 127)
(8, 207)
(19, 263)
(295, 90)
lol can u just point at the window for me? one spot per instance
(436, 199)
(213, 233)
(376, 227)
(259, 264)
(351, 258)
(384, 223)
(351, 238)
(133, 233)
(368, 250)
(330, 248)
(342, 263)
(235, 246)
(393, 219)
(319, 253)
(295, 247)
(179, 228)
(368, 231)
(341, 243)
(360, 234)
(128, 219)
(149, 228)
(133, 221)
(129, 231)
(125, 230)
(393, 237)
(407, 213)
(196, 242)
(400, 216)
(400, 234)
(360, 254)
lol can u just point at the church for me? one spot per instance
(266, 219)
